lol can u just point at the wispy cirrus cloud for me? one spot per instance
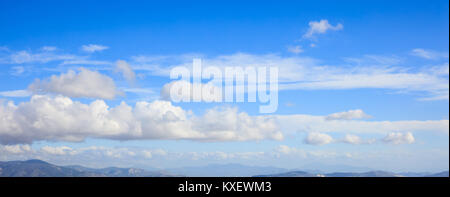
(21, 57)
(305, 73)
(309, 123)
(48, 55)
(124, 68)
(295, 49)
(16, 93)
(429, 54)
(91, 48)
(84, 62)
(49, 48)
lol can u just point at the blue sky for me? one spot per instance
(380, 67)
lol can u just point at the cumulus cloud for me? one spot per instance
(348, 115)
(321, 27)
(82, 84)
(90, 48)
(315, 138)
(428, 54)
(61, 119)
(124, 68)
(399, 138)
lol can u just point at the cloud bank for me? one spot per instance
(60, 118)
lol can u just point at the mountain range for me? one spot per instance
(39, 168)
(353, 174)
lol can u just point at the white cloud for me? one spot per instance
(348, 115)
(81, 61)
(321, 27)
(151, 153)
(354, 139)
(84, 84)
(440, 70)
(315, 138)
(15, 93)
(46, 118)
(17, 70)
(399, 138)
(16, 149)
(302, 73)
(124, 68)
(61, 119)
(428, 54)
(21, 57)
(45, 55)
(60, 150)
(49, 48)
(309, 123)
(295, 49)
(90, 48)
(140, 90)
(286, 150)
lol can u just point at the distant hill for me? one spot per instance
(38, 168)
(329, 168)
(292, 174)
(352, 174)
(122, 172)
(440, 174)
(363, 174)
(226, 170)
